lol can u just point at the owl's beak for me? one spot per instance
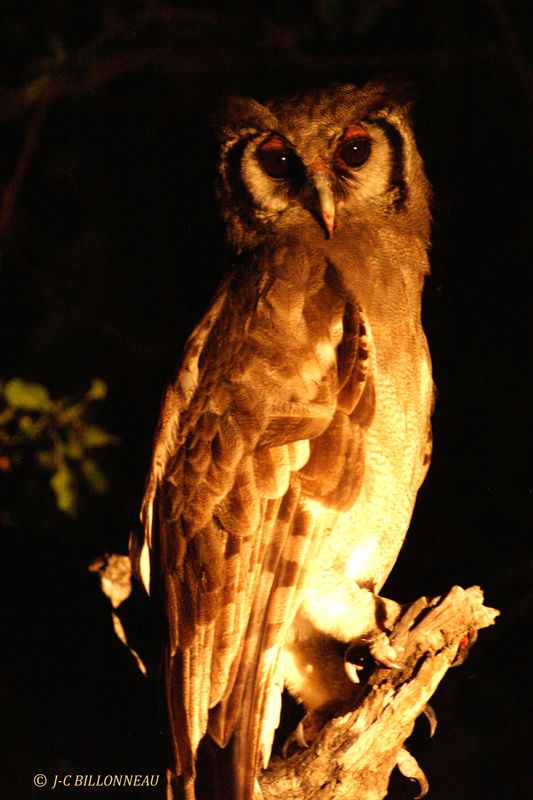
(326, 201)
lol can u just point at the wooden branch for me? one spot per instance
(61, 85)
(355, 753)
(103, 69)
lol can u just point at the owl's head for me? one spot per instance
(323, 160)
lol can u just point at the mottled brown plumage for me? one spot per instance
(292, 444)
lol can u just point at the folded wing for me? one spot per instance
(270, 404)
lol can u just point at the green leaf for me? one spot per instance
(73, 449)
(46, 459)
(27, 426)
(27, 396)
(94, 476)
(36, 88)
(94, 436)
(98, 389)
(6, 415)
(64, 486)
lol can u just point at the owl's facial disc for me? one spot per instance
(278, 160)
(351, 153)
(320, 175)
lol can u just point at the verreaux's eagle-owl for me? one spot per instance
(293, 441)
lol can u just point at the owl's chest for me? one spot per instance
(361, 539)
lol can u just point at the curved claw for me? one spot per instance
(429, 713)
(352, 671)
(384, 653)
(297, 737)
(409, 766)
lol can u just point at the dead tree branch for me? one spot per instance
(355, 753)
(23, 164)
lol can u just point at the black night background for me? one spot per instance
(111, 248)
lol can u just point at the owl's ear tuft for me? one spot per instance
(241, 113)
(394, 89)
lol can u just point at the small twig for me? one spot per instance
(106, 69)
(28, 148)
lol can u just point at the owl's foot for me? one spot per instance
(383, 652)
(387, 613)
(380, 649)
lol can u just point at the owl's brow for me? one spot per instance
(397, 182)
(234, 155)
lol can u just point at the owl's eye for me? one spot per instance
(354, 150)
(276, 157)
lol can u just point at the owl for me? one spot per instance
(293, 441)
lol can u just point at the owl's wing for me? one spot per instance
(272, 394)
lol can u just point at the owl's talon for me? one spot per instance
(300, 735)
(295, 739)
(352, 671)
(384, 653)
(429, 713)
(391, 664)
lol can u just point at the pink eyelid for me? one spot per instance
(274, 143)
(353, 131)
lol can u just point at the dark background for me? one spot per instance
(111, 248)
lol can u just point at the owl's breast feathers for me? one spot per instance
(272, 406)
